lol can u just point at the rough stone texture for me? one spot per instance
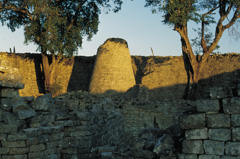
(213, 147)
(208, 157)
(44, 102)
(9, 93)
(220, 92)
(192, 121)
(218, 120)
(231, 105)
(235, 120)
(192, 147)
(236, 134)
(220, 134)
(208, 105)
(232, 148)
(228, 157)
(113, 68)
(187, 156)
(9, 76)
(164, 76)
(196, 134)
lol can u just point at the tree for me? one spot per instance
(56, 26)
(177, 13)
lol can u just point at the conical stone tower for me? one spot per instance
(113, 68)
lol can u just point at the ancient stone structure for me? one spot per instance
(213, 131)
(81, 125)
(113, 68)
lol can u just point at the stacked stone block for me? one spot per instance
(213, 131)
(58, 129)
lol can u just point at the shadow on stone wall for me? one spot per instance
(81, 73)
(39, 73)
(145, 66)
(228, 79)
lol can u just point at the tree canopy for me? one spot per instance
(56, 26)
(177, 13)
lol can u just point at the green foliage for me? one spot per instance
(55, 26)
(221, 13)
(196, 42)
(176, 12)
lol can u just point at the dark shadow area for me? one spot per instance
(81, 73)
(144, 66)
(39, 73)
(228, 79)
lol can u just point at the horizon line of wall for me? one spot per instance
(164, 76)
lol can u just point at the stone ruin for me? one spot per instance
(113, 68)
(79, 125)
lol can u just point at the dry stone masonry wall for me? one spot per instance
(213, 131)
(128, 125)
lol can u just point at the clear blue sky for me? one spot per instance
(134, 23)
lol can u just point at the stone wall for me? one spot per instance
(128, 125)
(164, 76)
(213, 131)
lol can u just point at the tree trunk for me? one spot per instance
(46, 70)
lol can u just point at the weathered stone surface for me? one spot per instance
(10, 77)
(220, 92)
(17, 137)
(218, 120)
(6, 104)
(33, 132)
(213, 147)
(208, 157)
(23, 110)
(207, 105)
(113, 71)
(8, 128)
(232, 148)
(36, 154)
(219, 134)
(18, 151)
(4, 150)
(192, 147)
(187, 156)
(44, 102)
(14, 156)
(236, 134)
(37, 148)
(196, 134)
(235, 120)
(164, 144)
(193, 121)
(3, 137)
(138, 153)
(228, 157)
(231, 105)
(11, 144)
(9, 93)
